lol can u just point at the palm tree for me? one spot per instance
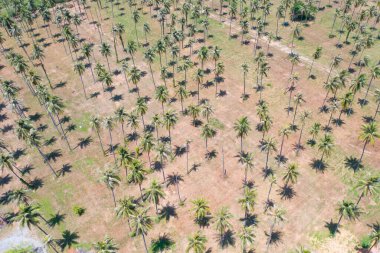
(326, 145)
(278, 215)
(182, 93)
(242, 128)
(28, 215)
(39, 55)
(131, 49)
(284, 132)
(201, 209)
(106, 246)
(163, 153)
(147, 30)
(294, 59)
(247, 237)
(295, 34)
(245, 68)
(95, 123)
(111, 179)
(374, 235)
(170, 119)
(7, 161)
(147, 144)
(348, 210)
(119, 30)
(149, 56)
(162, 95)
(267, 145)
(137, 174)
(222, 223)
(136, 17)
(203, 55)
(196, 243)
(154, 193)
(369, 134)
(87, 52)
(298, 100)
(79, 68)
(316, 55)
(105, 51)
(198, 78)
(108, 123)
(375, 74)
(207, 110)
(141, 223)
(219, 70)
(120, 115)
(291, 174)
(368, 187)
(208, 132)
(247, 202)
(175, 179)
(246, 159)
(126, 208)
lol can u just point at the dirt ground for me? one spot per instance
(317, 194)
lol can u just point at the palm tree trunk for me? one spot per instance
(143, 236)
(111, 148)
(63, 132)
(113, 196)
(361, 157)
(46, 160)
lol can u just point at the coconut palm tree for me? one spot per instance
(136, 18)
(247, 202)
(95, 124)
(245, 68)
(298, 100)
(137, 174)
(296, 33)
(348, 210)
(105, 51)
(247, 237)
(369, 133)
(147, 144)
(106, 246)
(108, 123)
(284, 132)
(242, 128)
(182, 93)
(141, 223)
(222, 220)
(170, 119)
(131, 50)
(163, 153)
(219, 70)
(79, 68)
(29, 215)
(149, 56)
(368, 187)
(120, 116)
(201, 209)
(326, 145)
(199, 74)
(7, 162)
(316, 55)
(175, 180)
(203, 55)
(147, 30)
(208, 132)
(374, 235)
(154, 193)
(126, 208)
(162, 95)
(278, 216)
(87, 53)
(374, 74)
(111, 179)
(291, 174)
(267, 145)
(38, 54)
(377, 97)
(196, 243)
(207, 110)
(246, 159)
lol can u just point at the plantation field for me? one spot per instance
(324, 178)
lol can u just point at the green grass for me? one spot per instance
(83, 123)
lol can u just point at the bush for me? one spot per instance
(365, 242)
(19, 249)
(301, 11)
(79, 210)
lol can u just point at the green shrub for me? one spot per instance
(19, 249)
(365, 242)
(79, 210)
(301, 11)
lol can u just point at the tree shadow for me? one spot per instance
(51, 141)
(7, 128)
(266, 172)
(66, 168)
(53, 155)
(332, 227)
(84, 142)
(3, 117)
(227, 239)
(286, 192)
(35, 117)
(274, 237)
(134, 136)
(56, 219)
(117, 98)
(26, 169)
(6, 197)
(353, 163)
(161, 244)
(318, 165)
(205, 222)
(194, 167)
(250, 220)
(179, 151)
(36, 183)
(18, 153)
(211, 154)
(167, 212)
(4, 180)
(281, 159)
